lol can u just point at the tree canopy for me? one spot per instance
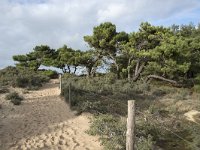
(153, 52)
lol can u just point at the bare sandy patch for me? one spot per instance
(43, 121)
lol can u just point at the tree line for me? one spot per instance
(171, 54)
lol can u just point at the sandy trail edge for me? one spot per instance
(43, 121)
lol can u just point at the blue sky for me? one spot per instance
(27, 23)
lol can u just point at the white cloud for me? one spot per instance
(27, 23)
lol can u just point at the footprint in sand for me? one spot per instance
(45, 122)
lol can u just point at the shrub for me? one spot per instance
(49, 73)
(197, 79)
(182, 94)
(22, 82)
(4, 90)
(145, 143)
(15, 98)
(110, 78)
(7, 75)
(30, 81)
(196, 88)
(159, 93)
(112, 131)
(21, 78)
(16, 101)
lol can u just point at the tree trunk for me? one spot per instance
(93, 71)
(161, 78)
(75, 68)
(137, 75)
(129, 69)
(129, 73)
(64, 70)
(89, 70)
(69, 70)
(117, 67)
(137, 67)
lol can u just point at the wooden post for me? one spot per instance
(70, 95)
(130, 134)
(60, 80)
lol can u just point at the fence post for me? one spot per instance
(60, 81)
(130, 134)
(70, 95)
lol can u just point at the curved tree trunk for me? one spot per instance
(75, 68)
(161, 78)
(138, 71)
(69, 69)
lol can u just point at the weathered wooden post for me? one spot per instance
(130, 134)
(70, 95)
(60, 81)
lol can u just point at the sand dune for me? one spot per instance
(43, 121)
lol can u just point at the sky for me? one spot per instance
(27, 23)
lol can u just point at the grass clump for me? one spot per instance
(112, 131)
(196, 88)
(182, 94)
(15, 98)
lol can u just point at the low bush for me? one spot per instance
(159, 92)
(16, 101)
(49, 73)
(182, 94)
(15, 98)
(112, 131)
(196, 88)
(22, 78)
(4, 90)
(145, 143)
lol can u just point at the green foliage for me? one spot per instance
(40, 55)
(196, 88)
(15, 98)
(110, 78)
(49, 73)
(90, 61)
(145, 143)
(30, 81)
(182, 94)
(112, 131)
(105, 40)
(159, 92)
(21, 78)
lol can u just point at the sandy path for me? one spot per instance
(43, 121)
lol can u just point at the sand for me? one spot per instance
(43, 121)
(193, 116)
